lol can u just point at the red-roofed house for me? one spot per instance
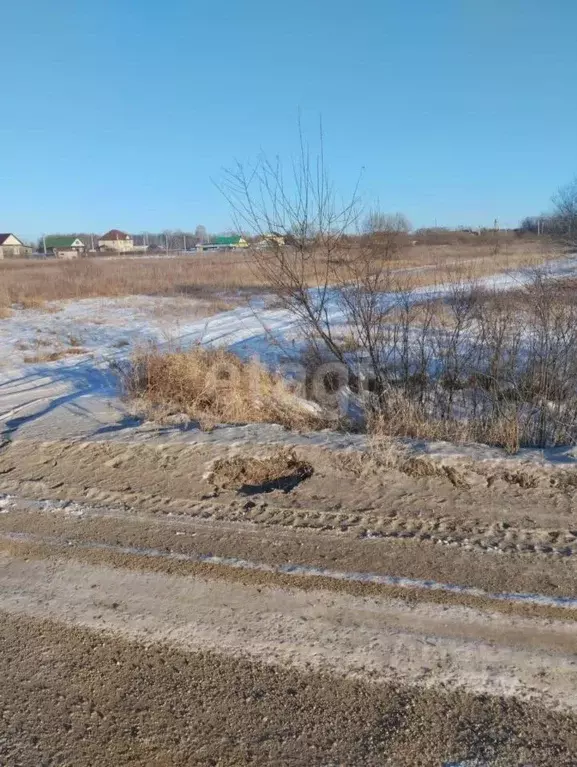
(115, 240)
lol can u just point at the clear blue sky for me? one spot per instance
(117, 113)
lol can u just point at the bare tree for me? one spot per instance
(172, 240)
(309, 227)
(377, 221)
(201, 234)
(565, 217)
(325, 276)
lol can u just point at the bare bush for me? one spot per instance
(475, 367)
(488, 370)
(352, 279)
(474, 370)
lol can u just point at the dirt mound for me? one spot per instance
(281, 470)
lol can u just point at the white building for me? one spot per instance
(117, 241)
(12, 247)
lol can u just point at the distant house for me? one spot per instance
(12, 247)
(273, 239)
(64, 247)
(117, 241)
(226, 243)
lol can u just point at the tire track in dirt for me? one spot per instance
(300, 571)
(503, 537)
(290, 558)
(512, 539)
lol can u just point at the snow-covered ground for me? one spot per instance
(77, 394)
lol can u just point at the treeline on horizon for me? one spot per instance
(560, 224)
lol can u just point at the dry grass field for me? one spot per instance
(32, 283)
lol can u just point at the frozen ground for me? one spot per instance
(77, 394)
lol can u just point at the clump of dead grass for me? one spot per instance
(53, 356)
(281, 469)
(400, 416)
(32, 302)
(213, 386)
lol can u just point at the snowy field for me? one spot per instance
(57, 375)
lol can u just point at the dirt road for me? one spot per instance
(153, 613)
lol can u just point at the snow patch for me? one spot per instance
(302, 570)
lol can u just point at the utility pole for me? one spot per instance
(184, 242)
(44, 243)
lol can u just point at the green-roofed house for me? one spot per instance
(64, 246)
(226, 243)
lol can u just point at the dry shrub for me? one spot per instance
(501, 430)
(279, 470)
(478, 367)
(32, 302)
(215, 386)
(402, 417)
(54, 356)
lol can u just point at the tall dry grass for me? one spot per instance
(404, 417)
(32, 282)
(213, 386)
